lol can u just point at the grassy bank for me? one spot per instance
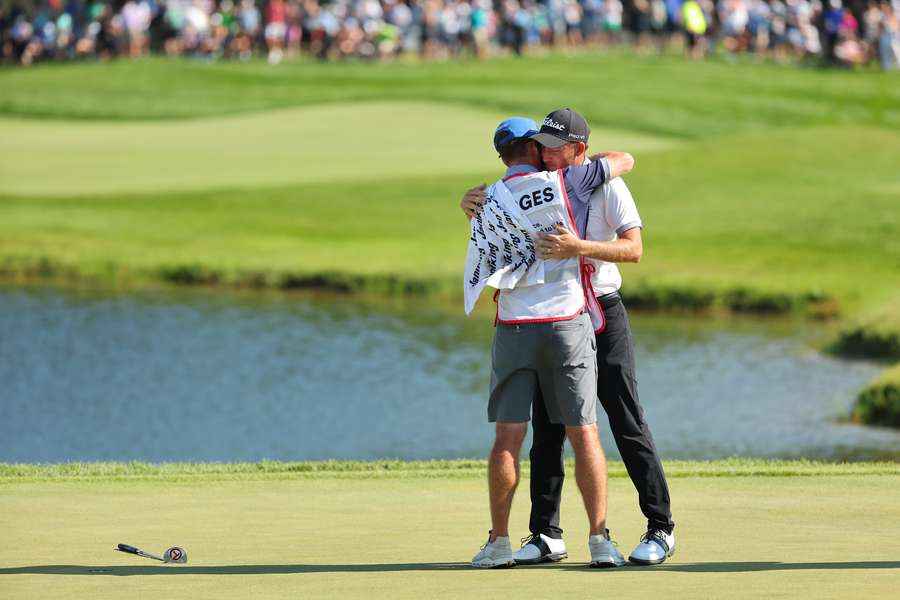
(879, 402)
(395, 537)
(871, 335)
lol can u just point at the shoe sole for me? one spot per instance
(508, 565)
(650, 563)
(556, 557)
(605, 565)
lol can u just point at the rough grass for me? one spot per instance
(411, 538)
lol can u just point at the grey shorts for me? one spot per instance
(557, 359)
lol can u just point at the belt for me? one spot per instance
(609, 300)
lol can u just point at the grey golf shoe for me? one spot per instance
(654, 548)
(604, 554)
(495, 555)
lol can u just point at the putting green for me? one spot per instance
(825, 536)
(338, 142)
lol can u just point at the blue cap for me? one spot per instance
(513, 129)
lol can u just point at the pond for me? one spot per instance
(203, 375)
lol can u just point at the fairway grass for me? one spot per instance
(738, 536)
(335, 142)
(268, 149)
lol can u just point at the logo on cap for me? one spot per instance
(548, 122)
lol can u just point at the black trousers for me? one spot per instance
(617, 391)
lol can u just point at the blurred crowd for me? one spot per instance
(826, 31)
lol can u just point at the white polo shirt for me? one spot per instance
(612, 212)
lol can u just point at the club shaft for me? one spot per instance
(153, 556)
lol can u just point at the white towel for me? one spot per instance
(501, 248)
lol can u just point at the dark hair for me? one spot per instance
(515, 149)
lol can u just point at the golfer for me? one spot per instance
(544, 345)
(613, 235)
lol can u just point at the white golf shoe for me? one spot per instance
(655, 547)
(604, 554)
(495, 555)
(538, 549)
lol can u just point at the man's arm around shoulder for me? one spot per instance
(582, 180)
(620, 163)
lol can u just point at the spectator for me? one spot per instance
(136, 20)
(856, 33)
(276, 30)
(735, 17)
(889, 40)
(612, 21)
(694, 28)
(831, 20)
(480, 19)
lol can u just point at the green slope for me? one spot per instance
(661, 95)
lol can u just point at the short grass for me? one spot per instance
(336, 142)
(739, 536)
(273, 148)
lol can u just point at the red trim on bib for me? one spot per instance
(497, 319)
(514, 175)
(587, 269)
(546, 320)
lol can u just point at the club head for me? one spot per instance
(175, 555)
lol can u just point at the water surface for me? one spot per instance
(206, 376)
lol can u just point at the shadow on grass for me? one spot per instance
(230, 569)
(711, 567)
(750, 567)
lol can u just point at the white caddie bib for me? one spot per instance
(501, 254)
(541, 197)
(561, 296)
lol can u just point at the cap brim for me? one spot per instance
(550, 141)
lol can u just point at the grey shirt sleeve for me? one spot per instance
(582, 180)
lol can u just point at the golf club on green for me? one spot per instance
(171, 555)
